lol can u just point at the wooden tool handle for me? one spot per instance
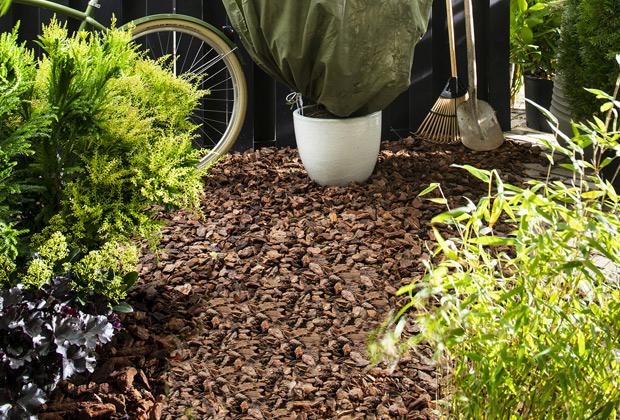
(450, 19)
(471, 50)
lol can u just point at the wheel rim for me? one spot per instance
(192, 54)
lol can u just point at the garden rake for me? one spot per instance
(440, 125)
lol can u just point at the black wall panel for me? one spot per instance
(269, 119)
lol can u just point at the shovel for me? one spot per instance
(477, 121)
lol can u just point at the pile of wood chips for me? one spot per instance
(261, 307)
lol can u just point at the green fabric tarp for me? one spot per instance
(353, 57)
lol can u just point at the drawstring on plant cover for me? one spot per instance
(296, 98)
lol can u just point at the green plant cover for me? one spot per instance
(353, 57)
(95, 142)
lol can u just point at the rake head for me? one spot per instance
(440, 125)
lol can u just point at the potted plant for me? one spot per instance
(534, 38)
(347, 58)
(337, 151)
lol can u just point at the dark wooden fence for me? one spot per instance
(269, 120)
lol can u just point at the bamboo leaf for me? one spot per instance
(492, 240)
(450, 215)
(432, 187)
(481, 174)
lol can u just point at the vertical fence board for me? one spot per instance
(190, 7)
(285, 133)
(498, 63)
(263, 102)
(29, 22)
(160, 6)
(421, 94)
(481, 9)
(7, 21)
(134, 9)
(440, 50)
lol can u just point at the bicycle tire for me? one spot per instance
(230, 100)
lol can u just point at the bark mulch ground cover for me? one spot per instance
(261, 308)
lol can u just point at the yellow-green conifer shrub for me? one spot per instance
(17, 127)
(121, 124)
(100, 138)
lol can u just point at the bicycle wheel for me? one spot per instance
(192, 49)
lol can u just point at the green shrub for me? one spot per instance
(529, 319)
(17, 126)
(96, 140)
(589, 43)
(120, 139)
(106, 271)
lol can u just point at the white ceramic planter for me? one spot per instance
(338, 151)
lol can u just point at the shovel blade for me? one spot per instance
(478, 126)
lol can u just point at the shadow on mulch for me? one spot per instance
(262, 308)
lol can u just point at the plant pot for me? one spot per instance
(539, 91)
(561, 109)
(560, 106)
(338, 151)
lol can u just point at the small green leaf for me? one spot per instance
(123, 308)
(592, 194)
(130, 279)
(533, 22)
(450, 215)
(599, 93)
(581, 343)
(438, 200)
(481, 174)
(408, 288)
(607, 106)
(432, 187)
(404, 309)
(537, 7)
(600, 124)
(443, 244)
(492, 240)
(526, 34)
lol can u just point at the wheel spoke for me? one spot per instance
(219, 83)
(214, 61)
(212, 110)
(199, 64)
(196, 56)
(221, 133)
(189, 49)
(222, 90)
(209, 99)
(161, 47)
